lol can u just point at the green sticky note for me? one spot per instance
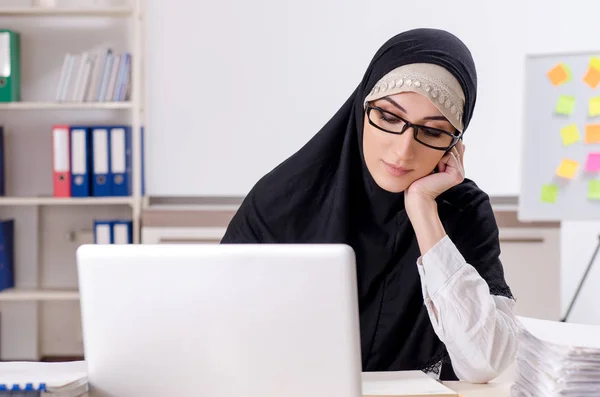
(570, 134)
(565, 105)
(549, 194)
(594, 190)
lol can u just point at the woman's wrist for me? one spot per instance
(423, 215)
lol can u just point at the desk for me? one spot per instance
(492, 389)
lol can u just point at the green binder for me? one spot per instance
(10, 66)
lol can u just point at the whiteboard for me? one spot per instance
(561, 145)
(232, 88)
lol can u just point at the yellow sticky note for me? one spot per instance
(549, 194)
(594, 190)
(595, 62)
(592, 133)
(567, 169)
(570, 134)
(594, 106)
(565, 105)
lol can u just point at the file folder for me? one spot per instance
(120, 158)
(7, 277)
(81, 162)
(123, 232)
(101, 172)
(10, 66)
(103, 232)
(61, 164)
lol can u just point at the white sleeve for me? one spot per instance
(478, 329)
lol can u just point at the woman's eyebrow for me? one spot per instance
(397, 105)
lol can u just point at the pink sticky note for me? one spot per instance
(592, 163)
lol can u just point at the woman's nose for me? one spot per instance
(403, 144)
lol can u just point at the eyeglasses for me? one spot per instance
(434, 138)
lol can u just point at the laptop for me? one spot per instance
(220, 320)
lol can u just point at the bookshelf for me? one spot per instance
(47, 201)
(28, 295)
(66, 105)
(39, 315)
(67, 11)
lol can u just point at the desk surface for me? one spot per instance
(492, 389)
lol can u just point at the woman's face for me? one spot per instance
(395, 161)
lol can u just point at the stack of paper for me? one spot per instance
(403, 384)
(21, 378)
(557, 359)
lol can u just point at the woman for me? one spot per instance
(385, 175)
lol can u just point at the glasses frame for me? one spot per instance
(415, 127)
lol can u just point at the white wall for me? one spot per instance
(212, 66)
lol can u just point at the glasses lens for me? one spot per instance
(433, 137)
(386, 121)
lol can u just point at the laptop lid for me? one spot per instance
(220, 320)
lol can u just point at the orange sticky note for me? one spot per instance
(567, 169)
(592, 133)
(592, 77)
(558, 74)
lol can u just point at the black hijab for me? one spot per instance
(325, 194)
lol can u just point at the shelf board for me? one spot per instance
(64, 11)
(25, 295)
(64, 105)
(20, 201)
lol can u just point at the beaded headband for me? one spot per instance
(432, 81)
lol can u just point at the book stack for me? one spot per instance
(39, 379)
(557, 359)
(95, 76)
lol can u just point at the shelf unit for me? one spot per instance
(64, 11)
(66, 105)
(133, 16)
(32, 295)
(48, 201)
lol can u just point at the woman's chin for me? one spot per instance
(393, 184)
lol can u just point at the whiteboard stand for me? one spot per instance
(587, 271)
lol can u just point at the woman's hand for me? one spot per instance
(420, 196)
(450, 173)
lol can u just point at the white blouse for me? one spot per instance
(478, 329)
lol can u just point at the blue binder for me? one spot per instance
(7, 277)
(2, 162)
(123, 232)
(81, 161)
(101, 171)
(120, 158)
(103, 232)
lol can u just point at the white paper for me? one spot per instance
(54, 375)
(403, 383)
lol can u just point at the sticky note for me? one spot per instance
(592, 163)
(549, 194)
(565, 105)
(592, 77)
(595, 62)
(559, 74)
(570, 134)
(592, 133)
(567, 169)
(593, 190)
(594, 106)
